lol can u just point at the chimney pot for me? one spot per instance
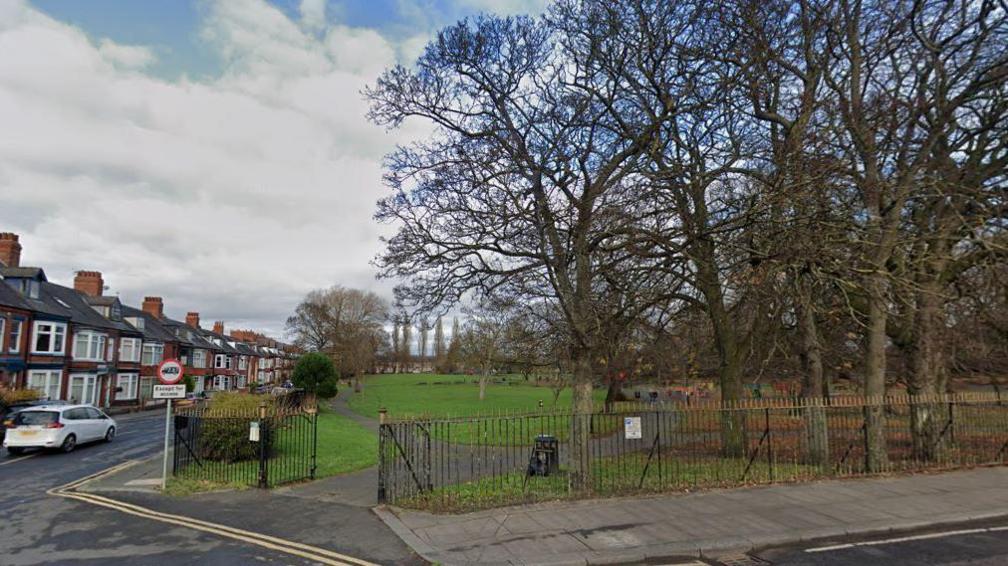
(10, 249)
(192, 319)
(218, 327)
(89, 282)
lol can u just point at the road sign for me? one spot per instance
(169, 391)
(169, 372)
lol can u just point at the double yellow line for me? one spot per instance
(266, 541)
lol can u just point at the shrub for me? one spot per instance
(190, 383)
(316, 374)
(224, 427)
(11, 396)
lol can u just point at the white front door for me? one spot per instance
(84, 389)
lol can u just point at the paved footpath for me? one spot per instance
(714, 523)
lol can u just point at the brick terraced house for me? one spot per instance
(79, 344)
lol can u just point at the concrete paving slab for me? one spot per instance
(615, 530)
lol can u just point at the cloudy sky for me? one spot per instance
(214, 153)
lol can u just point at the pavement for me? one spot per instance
(332, 514)
(707, 524)
(38, 528)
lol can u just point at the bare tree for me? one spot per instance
(345, 324)
(524, 191)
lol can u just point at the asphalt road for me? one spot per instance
(948, 545)
(36, 528)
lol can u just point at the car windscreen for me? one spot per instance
(27, 418)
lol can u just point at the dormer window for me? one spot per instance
(27, 287)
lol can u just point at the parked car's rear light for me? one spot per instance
(55, 425)
(9, 423)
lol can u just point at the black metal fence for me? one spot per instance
(477, 462)
(273, 446)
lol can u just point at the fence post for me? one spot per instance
(314, 449)
(382, 416)
(264, 440)
(769, 451)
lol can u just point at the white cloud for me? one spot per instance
(125, 56)
(313, 14)
(231, 196)
(504, 6)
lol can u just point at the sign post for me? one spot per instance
(169, 374)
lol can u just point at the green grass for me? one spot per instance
(414, 395)
(182, 486)
(431, 395)
(343, 446)
(610, 477)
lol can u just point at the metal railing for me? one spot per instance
(476, 462)
(264, 448)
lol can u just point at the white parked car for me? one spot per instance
(60, 427)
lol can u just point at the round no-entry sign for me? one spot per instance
(169, 372)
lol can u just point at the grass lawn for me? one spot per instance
(610, 477)
(343, 446)
(424, 394)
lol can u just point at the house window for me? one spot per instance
(222, 382)
(152, 354)
(243, 362)
(146, 387)
(220, 361)
(241, 382)
(129, 350)
(46, 382)
(89, 345)
(126, 385)
(49, 338)
(110, 351)
(14, 344)
(199, 358)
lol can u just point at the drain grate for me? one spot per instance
(741, 559)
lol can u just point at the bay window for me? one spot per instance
(129, 350)
(153, 353)
(126, 386)
(46, 382)
(89, 346)
(14, 344)
(199, 358)
(49, 338)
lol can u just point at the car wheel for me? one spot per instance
(14, 451)
(110, 434)
(69, 443)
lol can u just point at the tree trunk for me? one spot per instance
(581, 413)
(927, 418)
(816, 438)
(482, 386)
(876, 453)
(726, 340)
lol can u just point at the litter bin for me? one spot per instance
(545, 458)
